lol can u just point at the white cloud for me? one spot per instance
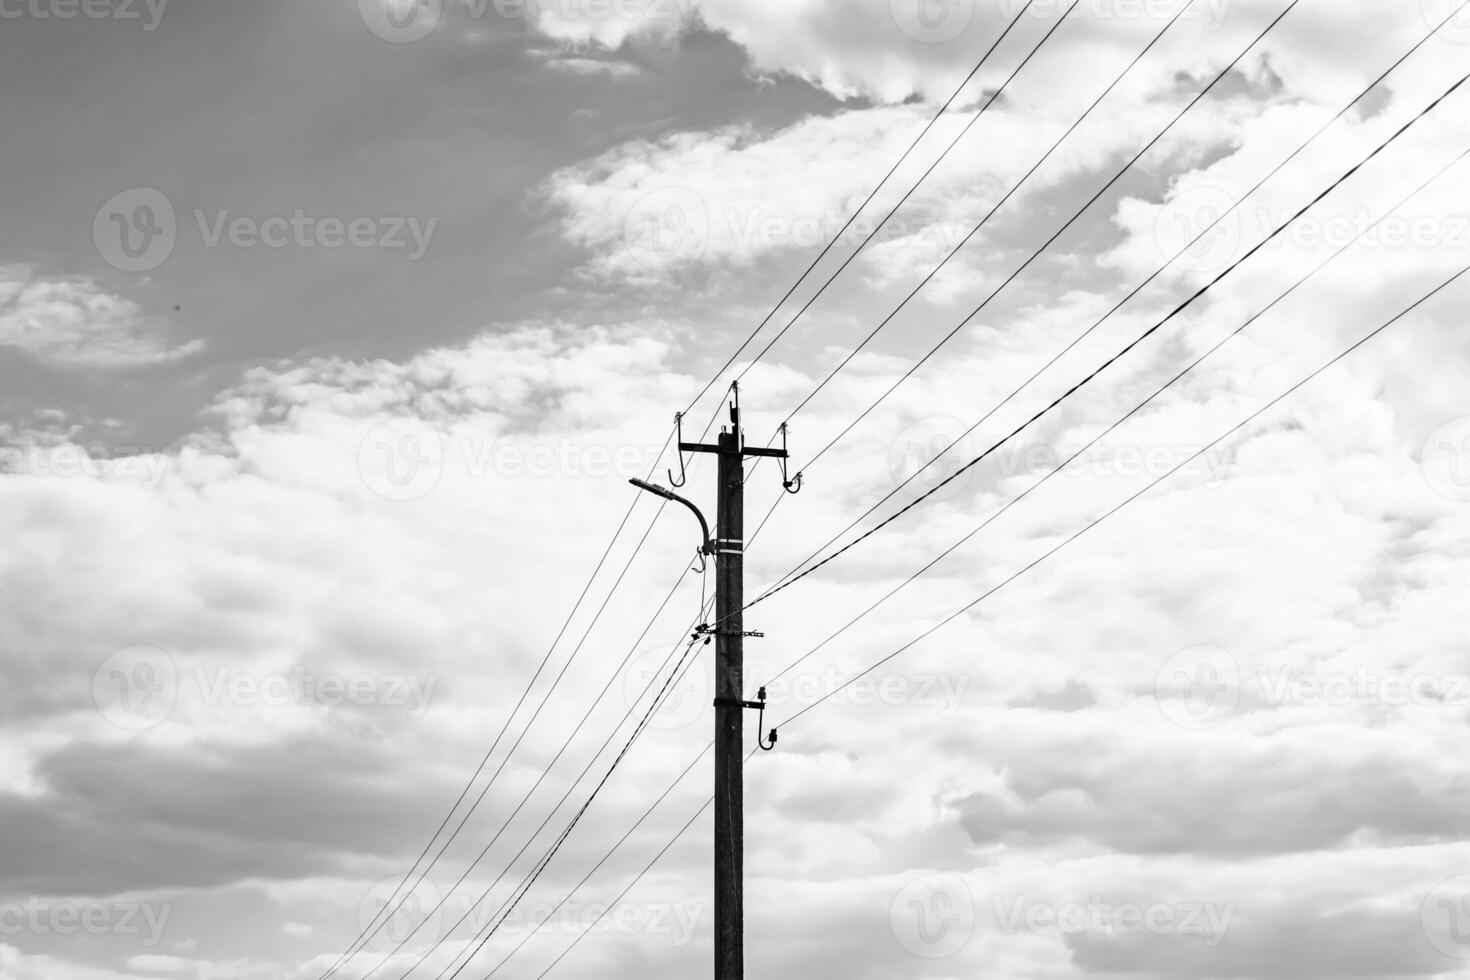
(73, 324)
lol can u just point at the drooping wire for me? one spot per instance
(973, 120)
(1282, 297)
(979, 225)
(545, 772)
(1112, 360)
(700, 618)
(763, 522)
(1039, 252)
(642, 873)
(551, 853)
(860, 208)
(388, 909)
(571, 786)
(1126, 299)
(1095, 522)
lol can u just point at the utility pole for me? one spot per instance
(728, 549)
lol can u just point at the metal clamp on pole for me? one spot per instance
(758, 705)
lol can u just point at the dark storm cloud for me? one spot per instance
(129, 817)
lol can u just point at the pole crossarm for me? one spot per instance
(700, 447)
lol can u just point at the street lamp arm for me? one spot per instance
(706, 546)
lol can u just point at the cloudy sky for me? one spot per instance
(330, 333)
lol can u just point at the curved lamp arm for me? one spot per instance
(707, 546)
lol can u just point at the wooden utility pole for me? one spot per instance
(728, 548)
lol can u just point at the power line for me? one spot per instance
(1095, 522)
(1269, 405)
(374, 926)
(990, 214)
(556, 846)
(973, 120)
(545, 772)
(535, 833)
(1115, 425)
(1121, 303)
(1110, 361)
(571, 786)
(603, 860)
(854, 216)
(1050, 241)
(1033, 564)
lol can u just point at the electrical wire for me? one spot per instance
(973, 120)
(704, 610)
(1112, 360)
(1121, 303)
(1095, 522)
(1236, 428)
(389, 909)
(545, 772)
(374, 925)
(854, 216)
(1119, 422)
(556, 846)
(1039, 252)
(1015, 189)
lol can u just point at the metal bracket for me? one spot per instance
(770, 742)
(704, 629)
(733, 703)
